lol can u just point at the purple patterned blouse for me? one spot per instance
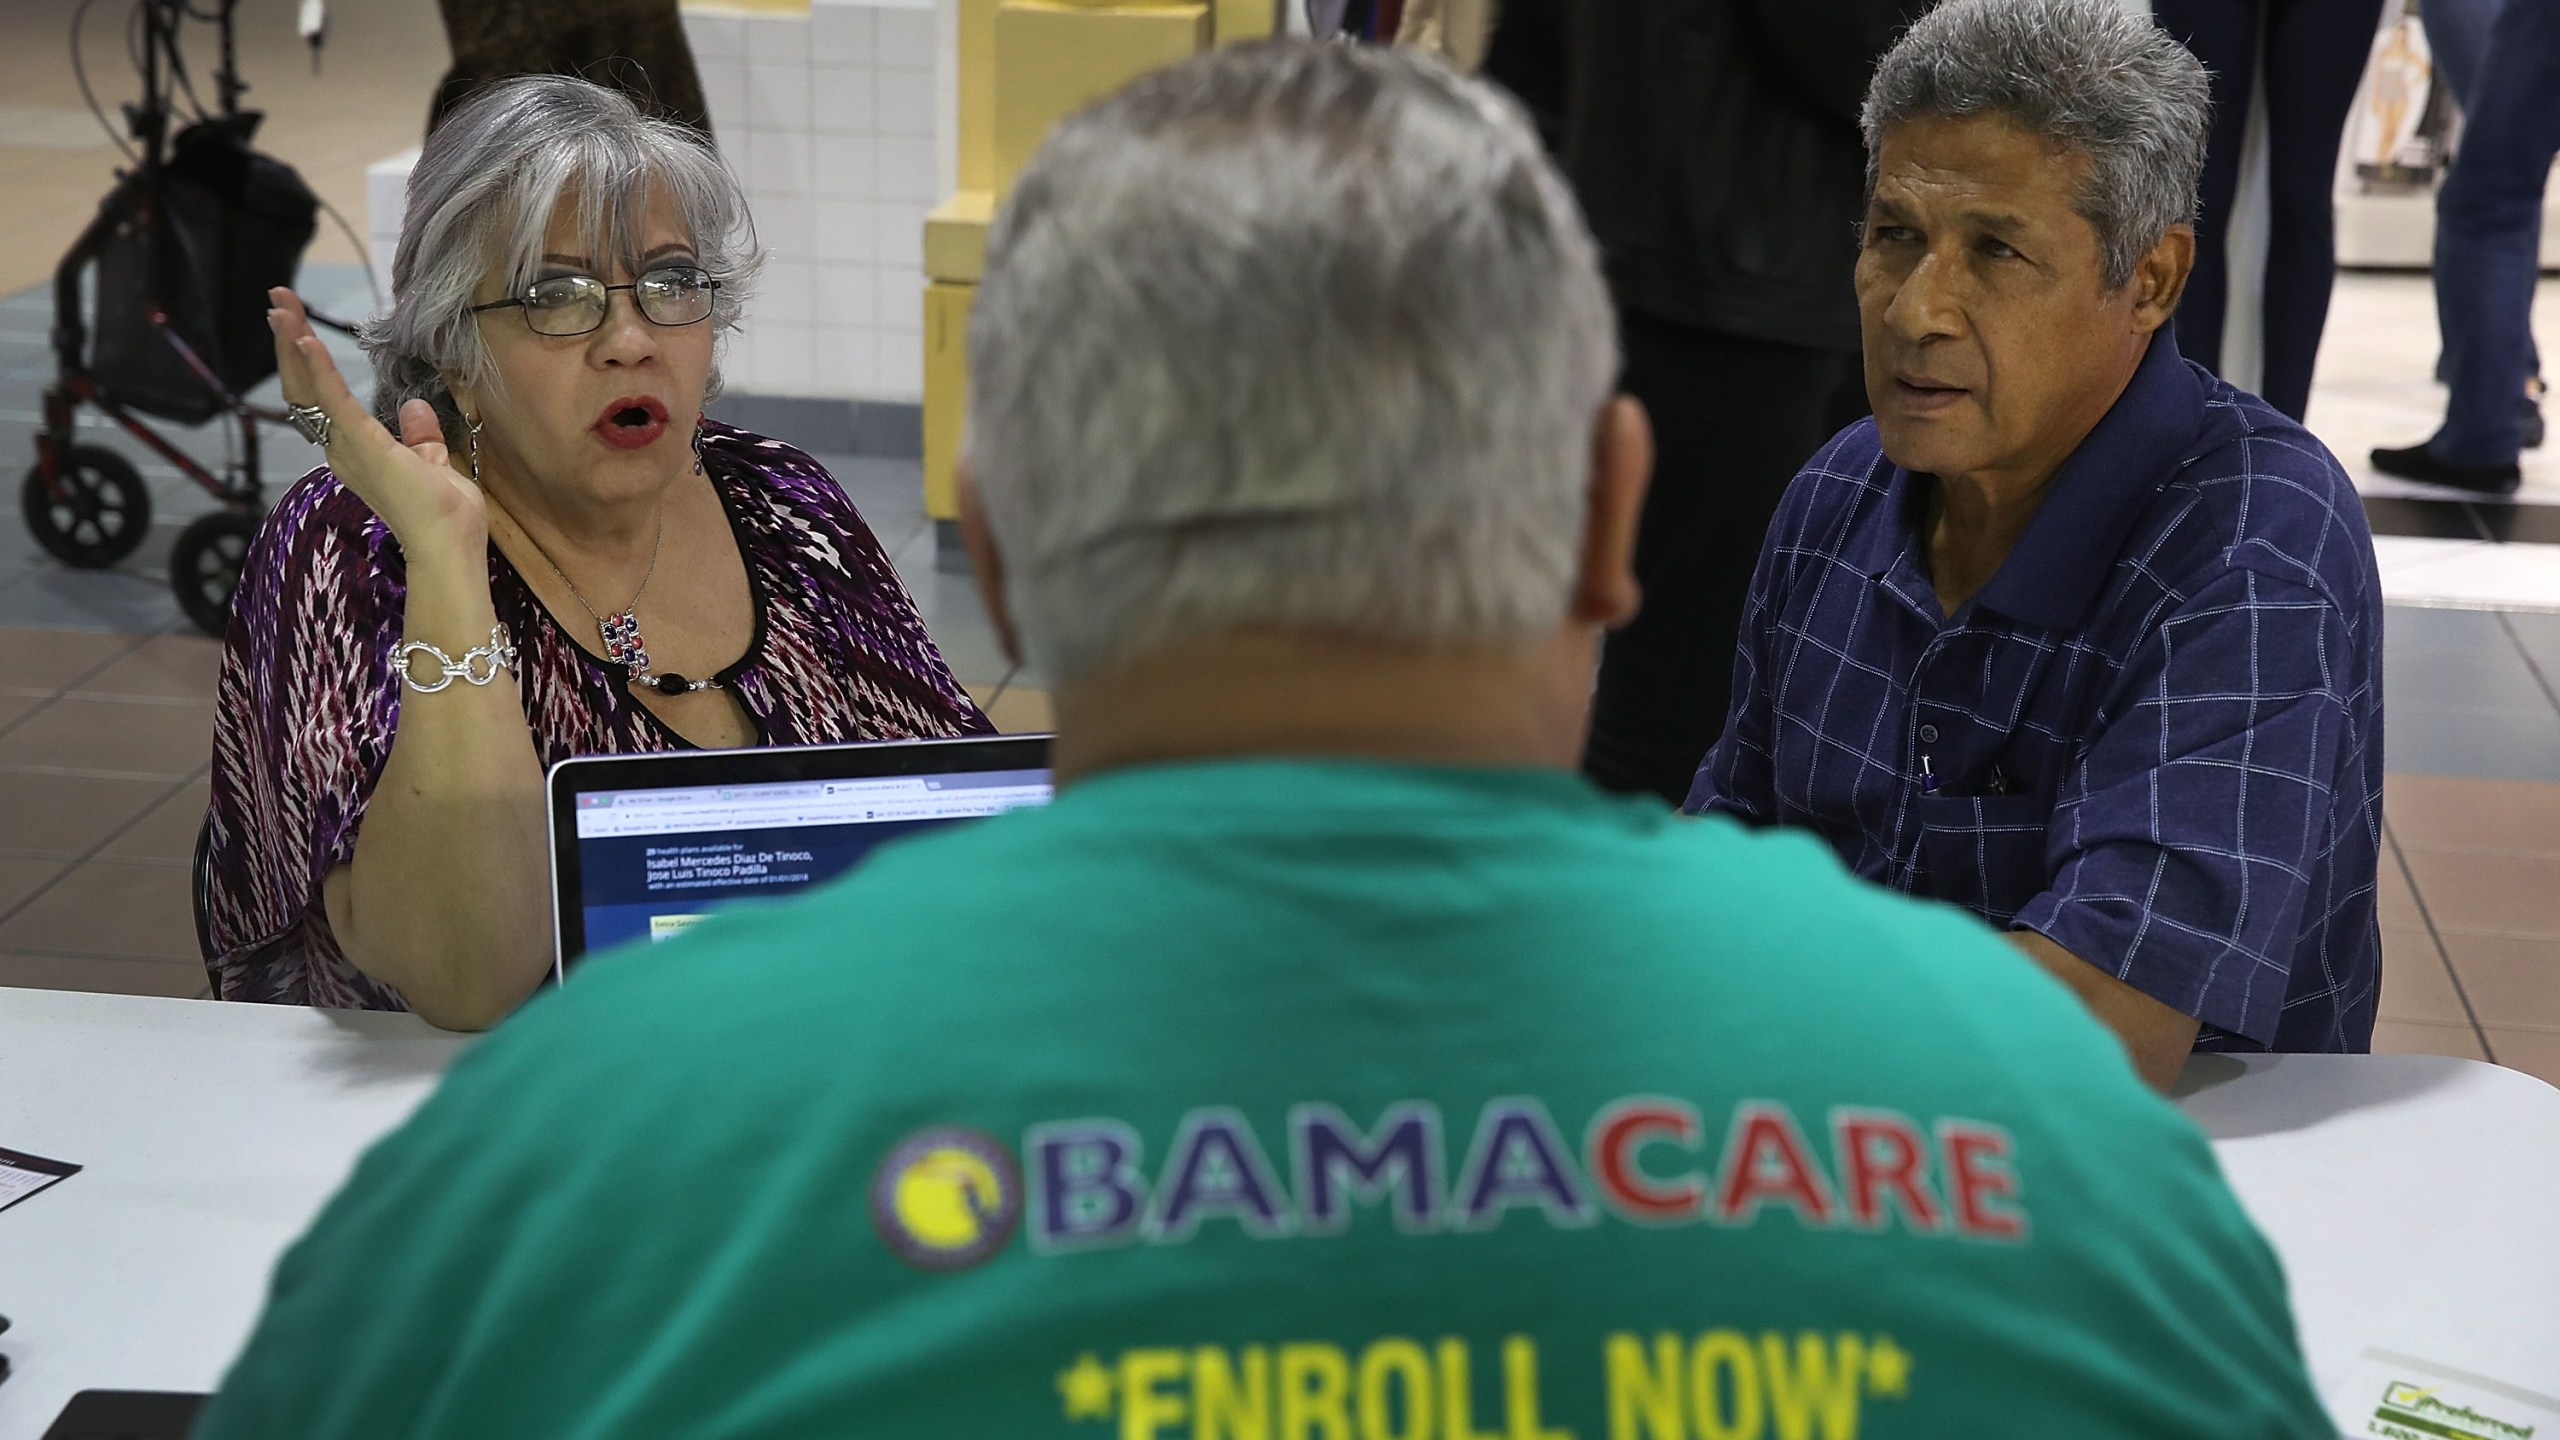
(309, 701)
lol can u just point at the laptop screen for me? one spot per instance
(652, 862)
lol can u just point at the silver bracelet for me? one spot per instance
(478, 666)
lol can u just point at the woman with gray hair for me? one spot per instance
(556, 555)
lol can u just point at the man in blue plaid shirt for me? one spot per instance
(2072, 633)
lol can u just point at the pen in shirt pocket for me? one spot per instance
(1998, 784)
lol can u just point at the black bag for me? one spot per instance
(202, 241)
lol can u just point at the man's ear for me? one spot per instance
(985, 564)
(2160, 277)
(1605, 592)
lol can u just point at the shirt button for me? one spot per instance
(1928, 734)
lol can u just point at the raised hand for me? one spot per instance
(408, 480)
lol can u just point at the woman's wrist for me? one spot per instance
(448, 601)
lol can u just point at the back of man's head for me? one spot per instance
(1287, 337)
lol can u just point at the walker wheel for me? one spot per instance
(204, 566)
(100, 514)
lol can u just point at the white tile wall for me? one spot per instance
(386, 198)
(830, 120)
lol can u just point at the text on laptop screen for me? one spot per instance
(654, 862)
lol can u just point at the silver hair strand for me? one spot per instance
(1288, 336)
(2087, 75)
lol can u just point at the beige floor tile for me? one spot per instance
(110, 907)
(176, 667)
(2415, 983)
(68, 814)
(174, 979)
(51, 659)
(2411, 1037)
(1022, 712)
(2511, 980)
(2446, 812)
(21, 876)
(2395, 904)
(2535, 1052)
(118, 736)
(168, 832)
(14, 706)
(2509, 894)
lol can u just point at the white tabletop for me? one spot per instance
(210, 1134)
(2410, 1196)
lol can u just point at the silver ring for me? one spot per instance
(312, 421)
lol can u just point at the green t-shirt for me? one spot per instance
(1294, 1101)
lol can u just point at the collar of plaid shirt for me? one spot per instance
(2060, 565)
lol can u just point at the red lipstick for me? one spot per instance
(632, 422)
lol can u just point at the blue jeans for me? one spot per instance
(2312, 55)
(2489, 234)
(2458, 37)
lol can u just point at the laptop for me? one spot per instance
(643, 847)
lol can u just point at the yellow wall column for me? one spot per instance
(1024, 65)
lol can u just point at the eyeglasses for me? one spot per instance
(576, 304)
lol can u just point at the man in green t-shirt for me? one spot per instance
(1328, 1062)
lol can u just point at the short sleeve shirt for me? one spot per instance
(309, 702)
(1294, 1100)
(2154, 737)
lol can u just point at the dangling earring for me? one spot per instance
(697, 448)
(475, 452)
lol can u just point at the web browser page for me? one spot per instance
(654, 863)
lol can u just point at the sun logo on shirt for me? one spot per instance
(947, 1198)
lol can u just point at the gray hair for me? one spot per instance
(481, 199)
(2086, 75)
(1288, 336)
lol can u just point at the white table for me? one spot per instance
(2415, 1200)
(2410, 1196)
(210, 1135)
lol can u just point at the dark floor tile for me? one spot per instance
(1021, 710)
(68, 814)
(2411, 1037)
(2451, 812)
(22, 876)
(2395, 904)
(2487, 892)
(2535, 1052)
(99, 975)
(2497, 680)
(2492, 745)
(112, 601)
(2427, 627)
(180, 667)
(48, 659)
(2415, 983)
(2539, 634)
(2511, 980)
(110, 907)
(167, 832)
(2426, 519)
(124, 737)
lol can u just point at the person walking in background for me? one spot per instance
(2488, 248)
(2314, 53)
(1714, 145)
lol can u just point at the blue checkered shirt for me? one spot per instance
(2155, 737)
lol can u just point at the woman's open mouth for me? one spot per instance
(632, 422)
